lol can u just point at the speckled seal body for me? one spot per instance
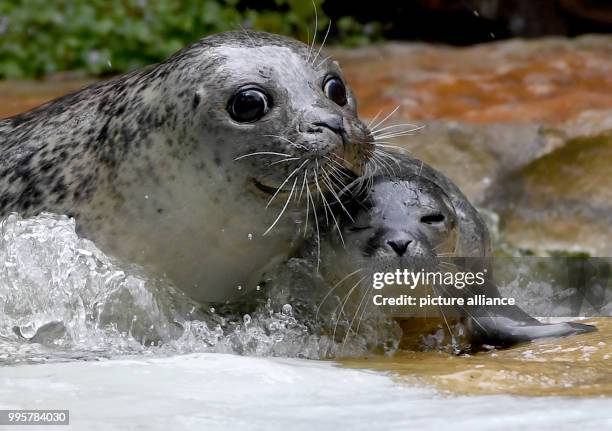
(156, 171)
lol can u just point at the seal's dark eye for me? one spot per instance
(334, 89)
(358, 228)
(248, 106)
(432, 218)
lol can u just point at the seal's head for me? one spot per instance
(231, 138)
(404, 223)
(283, 116)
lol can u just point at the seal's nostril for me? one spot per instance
(399, 246)
(332, 123)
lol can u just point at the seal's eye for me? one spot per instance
(248, 105)
(432, 218)
(334, 89)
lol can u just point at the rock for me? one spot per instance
(561, 201)
(521, 126)
(542, 80)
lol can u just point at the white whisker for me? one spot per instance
(373, 128)
(316, 219)
(314, 35)
(322, 43)
(261, 153)
(283, 210)
(347, 297)
(374, 119)
(414, 127)
(278, 190)
(332, 289)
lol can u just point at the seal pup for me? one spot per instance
(411, 222)
(202, 167)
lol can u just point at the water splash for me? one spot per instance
(63, 298)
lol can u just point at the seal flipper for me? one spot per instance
(511, 325)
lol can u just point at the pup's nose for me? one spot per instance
(333, 123)
(399, 246)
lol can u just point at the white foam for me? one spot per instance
(229, 392)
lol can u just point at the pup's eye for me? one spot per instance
(334, 89)
(432, 218)
(248, 106)
(358, 228)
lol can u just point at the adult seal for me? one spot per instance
(415, 218)
(202, 167)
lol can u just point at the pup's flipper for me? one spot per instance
(510, 325)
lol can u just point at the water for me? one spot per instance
(62, 298)
(230, 392)
(123, 350)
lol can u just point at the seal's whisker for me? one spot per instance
(287, 140)
(467, 311)
(314, 35)
(350, 328)
(393, 126)
(316, 175)
(283, 161)
(364, 182)
(450, 331)
(285, 182)
(389, 135)
(381, 122)
(330, 186)
(344, 302)
(389, 155)
(374, 119)
(394, 147)
(305, 184)
(327, 181)
(316, 220)
(261, 153)
(335, 172)
(283, 210)
(449, 265)
(379, 162)
(368, 292)
(342, 186)
(248, 35)
(340, 165)
(393, 136)
(331, 213)
(322, 43)
(331, 290)
(322, 62)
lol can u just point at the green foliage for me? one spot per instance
(38, 37)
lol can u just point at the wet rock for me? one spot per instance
(543, 80)
(561, 201)
(521, 126)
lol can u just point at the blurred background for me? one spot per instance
(39, 37)
(516, 95)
